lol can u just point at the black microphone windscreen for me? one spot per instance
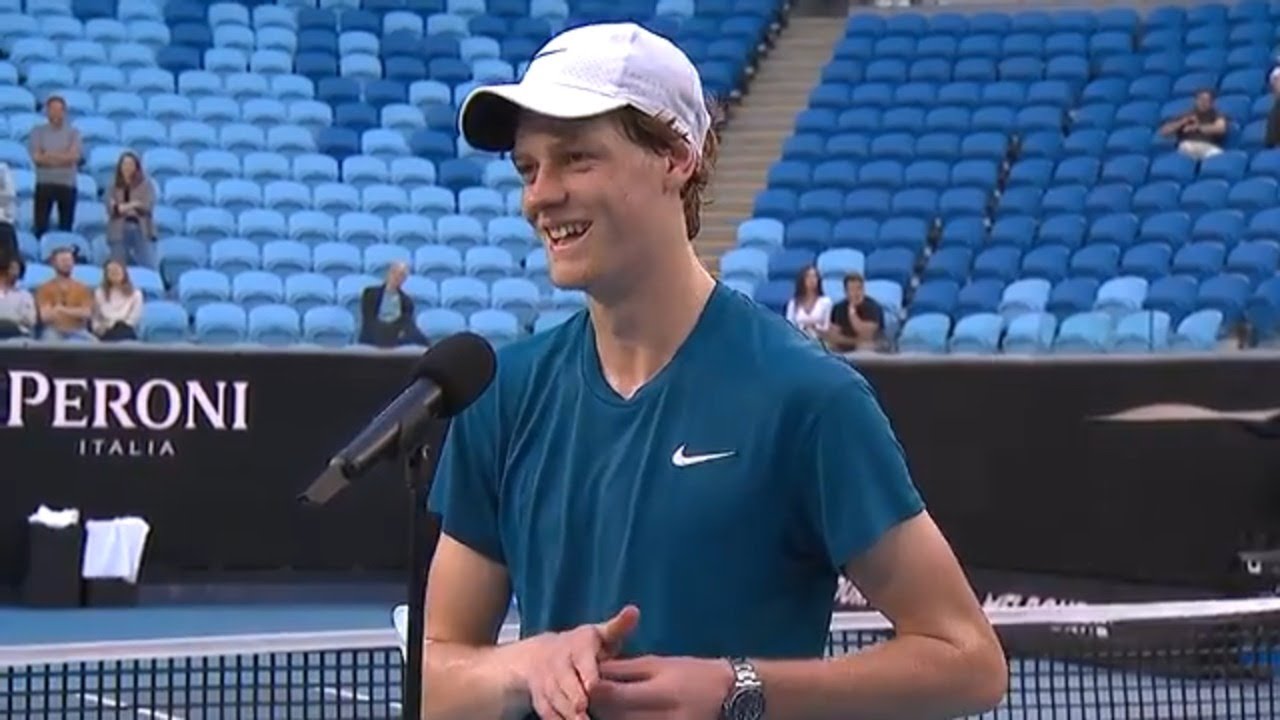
(462, 366)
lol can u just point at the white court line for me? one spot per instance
(100, 700)
(346, 694)
(108, 701)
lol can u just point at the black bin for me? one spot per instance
(52, 577)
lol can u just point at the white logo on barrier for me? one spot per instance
(111, 404)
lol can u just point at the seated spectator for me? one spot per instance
(857, 322)
(130, 232)
(386, 312)
(117, 304)
(808, 309)
(64, 303)
(8, 214)
(1273, 118)
(1201, 130)
(17, 307)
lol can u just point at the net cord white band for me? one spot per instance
(379, 639)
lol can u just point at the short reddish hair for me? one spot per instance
(658, 136)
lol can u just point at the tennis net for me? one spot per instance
(1206, 659)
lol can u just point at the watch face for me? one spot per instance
(747, 705)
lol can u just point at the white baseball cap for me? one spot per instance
(587, 71)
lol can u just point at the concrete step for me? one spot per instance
(759, 127)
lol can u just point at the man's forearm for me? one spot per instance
(461, 682)
(909, 677)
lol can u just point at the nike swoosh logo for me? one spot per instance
(680, 459)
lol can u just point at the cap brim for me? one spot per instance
(489, 114)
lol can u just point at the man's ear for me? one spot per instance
(681, 164)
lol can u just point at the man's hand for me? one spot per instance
(561, 670)
(661, 688)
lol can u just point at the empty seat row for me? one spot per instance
(285, 258)
(223, 324)
(1081, 333)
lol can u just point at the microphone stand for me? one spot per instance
(417, 467)
(423, 534)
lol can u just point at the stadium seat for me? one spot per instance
(1198, 331)
(1030, 333)
(978, 334)
(1084, 333)
(1142, 332)
(925, 333)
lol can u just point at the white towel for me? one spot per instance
(57, 519)
(114, 549)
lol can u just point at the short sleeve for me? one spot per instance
(857, 485)
(465, 490)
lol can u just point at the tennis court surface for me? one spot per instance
(1209, 659)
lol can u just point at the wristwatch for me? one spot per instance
(746, 699)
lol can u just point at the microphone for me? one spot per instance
(448, 378)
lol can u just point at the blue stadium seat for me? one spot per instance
(1030, 333)
(926, 332)
(164, 322)
(1028, 295)
(234, 255)
(1198, 331)
(1073, 295)
(255, 288)
(220, 323)
(935, 297)
(464, 295)
(499, 327)
(307, 290)
(274, 325)
(1142, 332)
(751, 264)
(1121, 295)
(328, 326)
(1227, 293)
(1084, 333)
(977, 334)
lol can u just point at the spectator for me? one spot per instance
(1201, 130)
(857, 322)
(130, 232)
(55, 151)
(117, 304)
(17, 307)
(64, 303)
(386, 312)
(809, 309)
(1273, 119)
(8, 216)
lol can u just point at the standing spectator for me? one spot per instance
(808, 309)
(65, 304)
(130, 232)
(1200, 131)
(8, 214)
(17, 307)
(857, 322)
(117, 304)
(1273, 119)
(386, 312)
(55, 151)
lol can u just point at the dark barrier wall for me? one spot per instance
(212, 448)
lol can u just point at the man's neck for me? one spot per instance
(637, 335)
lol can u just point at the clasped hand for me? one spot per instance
(567, 673)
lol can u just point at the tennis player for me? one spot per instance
(672, 481)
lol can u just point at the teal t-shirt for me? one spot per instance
(723, 499)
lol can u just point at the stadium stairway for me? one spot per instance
(761, 123)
